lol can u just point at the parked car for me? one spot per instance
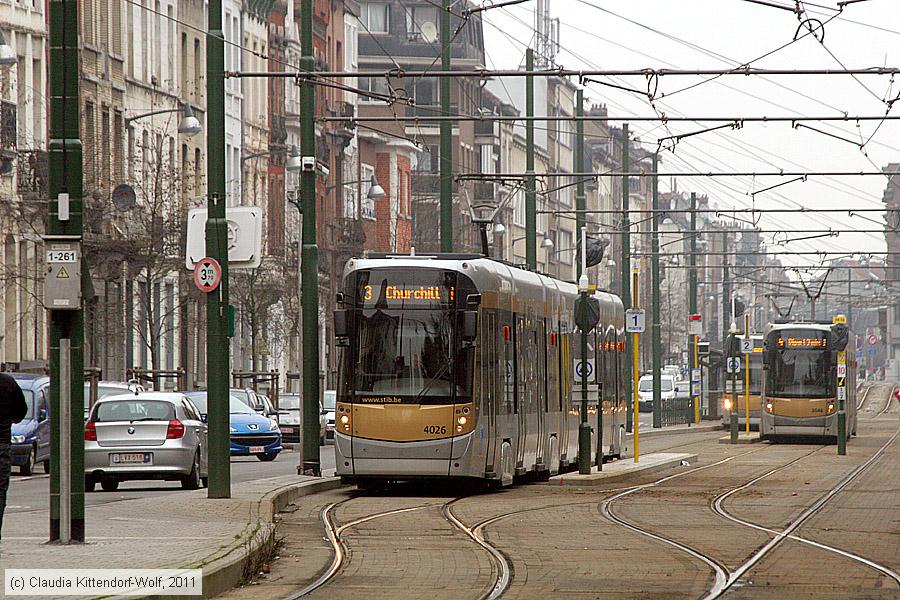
(645, 391)
(330, 405)
(674, 371)
(251, 433)
(150, 435)
(31, 435)
(291, 421)
(258, 402)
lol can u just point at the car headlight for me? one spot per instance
(232, 430)
(273, 425)
(18, 439)
(291, 421)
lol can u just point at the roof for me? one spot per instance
(166, 396)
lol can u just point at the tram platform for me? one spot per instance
(743, 438)
(626, 467)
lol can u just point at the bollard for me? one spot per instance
(734, 427)
(584, 448)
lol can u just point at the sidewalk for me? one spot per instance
(178, 530)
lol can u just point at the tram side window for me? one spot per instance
(562, 360)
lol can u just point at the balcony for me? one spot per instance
(32, 171)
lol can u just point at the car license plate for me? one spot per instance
(287, 429)
(257, 449)
(132, 458)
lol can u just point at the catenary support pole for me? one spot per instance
(446, 129)
(746, 358)
(530, 195)
(65, 194)
(626, 270)
(584, 428)
(655, 332)
(309, 297)
(635, 370)
(692, 309)
(217, 347)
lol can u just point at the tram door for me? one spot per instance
(488, 374)
(520, 407)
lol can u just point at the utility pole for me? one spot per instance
(309, 296)
(217, 348)
(530, 199)
(446, 135)
(65, 225)
(626, 271)
(584, 428)
(655, 325)
(692, 307)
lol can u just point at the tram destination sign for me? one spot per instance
(405, 290)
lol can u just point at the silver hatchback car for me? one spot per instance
(149, 435)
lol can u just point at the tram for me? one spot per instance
(729, 403)
(804, 378)
(460, 366)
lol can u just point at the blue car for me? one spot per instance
(31, 435)
(251, 433)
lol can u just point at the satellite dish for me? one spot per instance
(429, 32)
(123, 197)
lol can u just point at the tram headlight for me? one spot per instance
(769, 406)
(728, 404)
(461, 420)
(831, 407)
(345, 421)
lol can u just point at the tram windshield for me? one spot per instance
(407, 351)
(801, 365)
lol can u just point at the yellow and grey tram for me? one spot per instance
(462, 366)
(807, 373)
(736, 387)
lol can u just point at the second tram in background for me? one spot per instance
(801, 384)
(729, 403)
(462, 366)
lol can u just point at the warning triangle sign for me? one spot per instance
(63, 274)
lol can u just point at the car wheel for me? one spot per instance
(109, 485)
(46, 465)
(90, 483)
(267, 457)
(28, 467)
(193, 481)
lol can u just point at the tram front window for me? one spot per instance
(801, 368)
(407, 356)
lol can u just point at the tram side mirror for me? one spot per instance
(473, 301)
(339, 298)
(840, 335)
(340, 324)
(469, 325)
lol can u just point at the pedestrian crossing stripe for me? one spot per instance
(63, 274)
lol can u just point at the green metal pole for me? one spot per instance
(65, 177)
(309, 274)
(530, 196)
(692, 306)
(734, 405)
(446, 154)
(217, 348)
(626, 276)
(584, 428)
(655, 325)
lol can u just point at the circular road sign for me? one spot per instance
(207, 274)
(872, 339)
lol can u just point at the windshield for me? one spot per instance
(646, 385)
(29, 402)
(289, 402)
(237, 407)
(134, 410)
(199, 400)
(801, 368)
(243, 396)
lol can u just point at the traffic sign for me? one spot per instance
(872, 339)
(207, 274)
(842, 357)
(695, 388)
(747, 345)
(695, 324)
(581, 365)
(695, 374)
(244, 237)
(841, 370)
(734, 364)
(635, 319)
(842, 393)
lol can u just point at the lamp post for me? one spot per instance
(294, 163)
(189, 124)
(7, 54)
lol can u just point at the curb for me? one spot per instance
(225, 573)
(692, 429)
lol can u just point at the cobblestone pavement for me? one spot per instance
(558, 543)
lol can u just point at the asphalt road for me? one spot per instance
(27, 494)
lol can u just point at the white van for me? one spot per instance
(645, 390)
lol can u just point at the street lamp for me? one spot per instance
(7, 54)
(376, 192)
(189, 124)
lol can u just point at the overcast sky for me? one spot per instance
(706, 34)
